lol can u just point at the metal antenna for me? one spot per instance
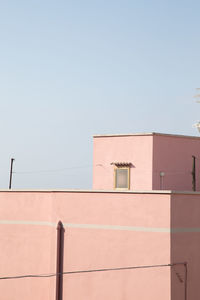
(11, 172)
(197, 97)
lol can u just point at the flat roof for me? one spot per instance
(98, 191)
(147, 134)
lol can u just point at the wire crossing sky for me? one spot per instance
(71, 69)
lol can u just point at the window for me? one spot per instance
(122, 178)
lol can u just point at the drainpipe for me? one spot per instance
(59, 267)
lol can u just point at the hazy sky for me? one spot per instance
(70, 69)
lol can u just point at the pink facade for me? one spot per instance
(136, 149)
(102, 230)
(173, 155)
(150, 155)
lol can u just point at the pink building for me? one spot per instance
(119, 243)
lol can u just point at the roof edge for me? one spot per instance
(146, 134)
(98, 191)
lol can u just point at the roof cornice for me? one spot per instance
(146, 134)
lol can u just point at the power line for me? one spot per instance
(106, 270)
(52, 170)
(88, 166)
(89, 271)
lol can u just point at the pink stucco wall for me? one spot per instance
(173, 156)
(102, 230)
(137, 150)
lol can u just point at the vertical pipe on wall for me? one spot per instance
(60, 256)
(193, 173)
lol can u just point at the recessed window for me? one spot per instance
(122, 178)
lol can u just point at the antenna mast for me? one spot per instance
(197, 97)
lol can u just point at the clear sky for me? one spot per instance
(70, 69)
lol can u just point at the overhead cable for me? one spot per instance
(89, 271)
(53, 170)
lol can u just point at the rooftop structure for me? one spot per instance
(146, 161)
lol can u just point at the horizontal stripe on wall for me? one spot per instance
(103, 227)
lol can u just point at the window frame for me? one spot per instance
(115, 177)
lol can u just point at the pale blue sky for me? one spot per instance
(71, 69)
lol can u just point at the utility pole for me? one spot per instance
(11, 172)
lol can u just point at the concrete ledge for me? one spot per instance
(98, 191)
